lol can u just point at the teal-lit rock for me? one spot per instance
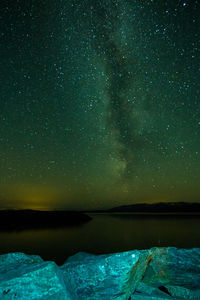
(112, 276)
(173, 266)
(152, 297)
(183, 293)
(13, 261)
(29, 277)
(83, 257)
(154, 274)
(149, 292)
(175, 271)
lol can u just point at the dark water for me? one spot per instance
(105, 234)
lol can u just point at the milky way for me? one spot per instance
(104, 23)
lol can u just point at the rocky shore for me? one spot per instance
(157, 273)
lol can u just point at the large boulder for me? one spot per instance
(112, 276)
(176, 272)
(173, 266)
(29, 277)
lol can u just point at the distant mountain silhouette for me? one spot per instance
(162, 207)
(33, 219)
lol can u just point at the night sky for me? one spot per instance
(100, 103)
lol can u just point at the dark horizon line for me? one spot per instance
(112, 209)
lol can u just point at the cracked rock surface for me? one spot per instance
(153, 274)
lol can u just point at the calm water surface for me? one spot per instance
(106, 233)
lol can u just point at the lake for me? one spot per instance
(106, 233)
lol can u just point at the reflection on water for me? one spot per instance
(106, 233)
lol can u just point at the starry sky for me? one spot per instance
(99, 103)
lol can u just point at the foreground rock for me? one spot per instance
(113, 276)
(29, 277)
(155, 274)
(173, 266)
(176, 272)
